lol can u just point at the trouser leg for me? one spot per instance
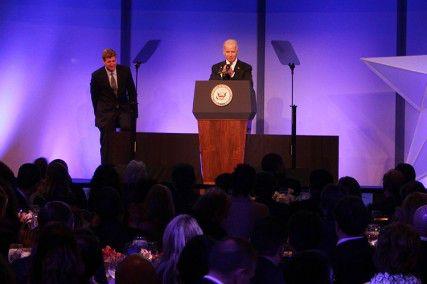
(105, 141)
(125, 123)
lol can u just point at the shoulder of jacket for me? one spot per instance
(98, 71)
(218, 64)
(244, 65)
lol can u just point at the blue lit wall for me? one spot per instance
(336, 94)
(416, 45)
(50, 49)
(47, 53)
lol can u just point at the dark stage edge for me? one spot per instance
(161, 151)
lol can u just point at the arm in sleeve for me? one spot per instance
(132, 93)
(94, 93)
(214, 74)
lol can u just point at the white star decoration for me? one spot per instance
(407, 75)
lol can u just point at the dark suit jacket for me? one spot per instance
(242, 71)
(267, 272)
(105, 103)
(422, 262)
(352, 262)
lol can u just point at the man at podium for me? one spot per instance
(232, 68)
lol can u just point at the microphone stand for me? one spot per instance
(294, 122)
(134, 109)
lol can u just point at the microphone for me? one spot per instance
(224, 72)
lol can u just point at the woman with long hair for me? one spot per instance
(56, 258)
(178, 232)
(157, 211)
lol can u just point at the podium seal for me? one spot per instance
(221, 95)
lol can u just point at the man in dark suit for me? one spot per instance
(268, 239)
(231, 261)
(352, 257)
(114, 100)
(233, 69)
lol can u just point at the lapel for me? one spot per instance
(237, 70)
(222, 66)
(120, 77)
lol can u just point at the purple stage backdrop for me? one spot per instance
(416, 45)
(50, 48)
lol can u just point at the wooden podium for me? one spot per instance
(222, 109)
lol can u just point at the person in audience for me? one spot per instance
(135, 269)
(54, 211)
(4, 199)
(268, 239)
(243, 212)
(308, 267)
(264, 190)
(61, 162)
(318, 180)
(56, 186)
(193, 262)
(329, 198)
(392, 182)
(305, 231)
(104, 176)
(77, 196)
(352, 258)
(210, 211)
(135, 171)
(91, 253)
(177, 234)
(27, 181)
(396, 255)
(410, 204)
(411, 187)
(9, 222)
(224, 182)
(6, 273)
(273, 163)
(420, 225)
(350, 186)
(407, 170)
(157, 211)
(231, 261)
(7, 175)
(56, 258)
(107, 223)
(135, 201)
(41, 163)
(183, 182)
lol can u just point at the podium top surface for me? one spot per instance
(229, 99)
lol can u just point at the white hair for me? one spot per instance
(178, 232)
(231, 41)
